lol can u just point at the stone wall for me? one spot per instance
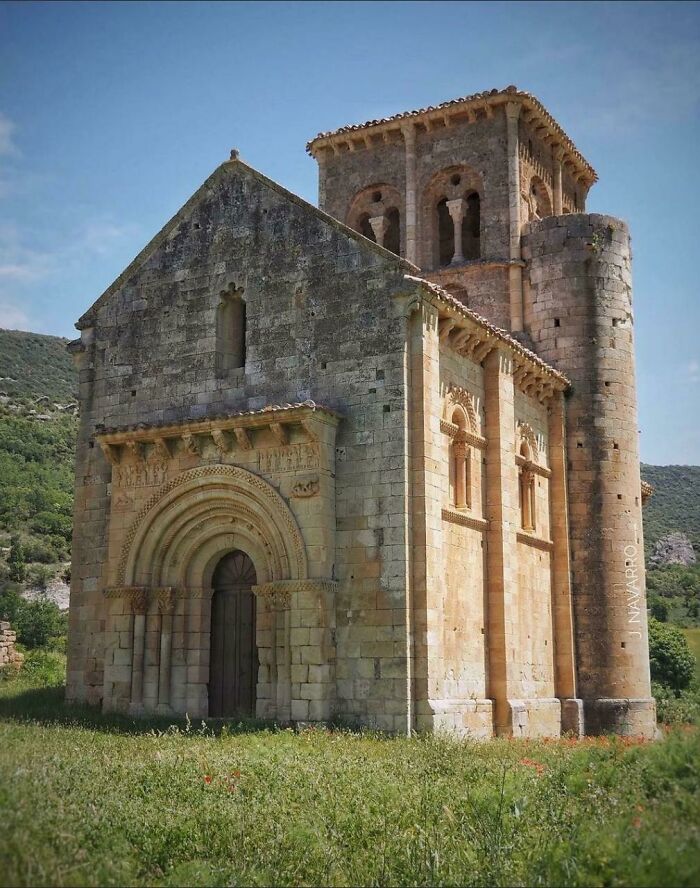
(322, 324)
(8, 655)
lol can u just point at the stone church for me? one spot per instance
(374, 462)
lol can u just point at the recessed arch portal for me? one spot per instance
(197, 517)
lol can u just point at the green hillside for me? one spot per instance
(32, 366)
(675, 504)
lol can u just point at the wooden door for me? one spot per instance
(233, 669)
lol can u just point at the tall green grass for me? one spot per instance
(93, 800)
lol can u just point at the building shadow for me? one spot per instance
(46, 706)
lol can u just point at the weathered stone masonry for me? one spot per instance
(402, 477)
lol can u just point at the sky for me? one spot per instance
(113, 114)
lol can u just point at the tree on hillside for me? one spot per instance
(671, 660)
(15, 561)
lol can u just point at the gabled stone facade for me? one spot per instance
(304, 460)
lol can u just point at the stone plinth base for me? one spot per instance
(532, 718)
(626, 716)
(572, 721)
(467, 718)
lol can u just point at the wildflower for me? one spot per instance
(207, 778)
(637, 822)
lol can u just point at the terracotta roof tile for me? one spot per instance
(509, 91)
(442, 294)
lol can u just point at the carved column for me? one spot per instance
(515, 270)
(166, 606)
(409, 135)
(557, 155)
(460, 449)
(457, 208)
(378, 224)
(139, 606)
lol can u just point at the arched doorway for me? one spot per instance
(233, 664)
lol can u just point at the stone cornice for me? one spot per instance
(536, 542)
(468, 108)
(456, 516)
(473, 337)
(222, 430)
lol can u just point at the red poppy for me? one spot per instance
(207, 778)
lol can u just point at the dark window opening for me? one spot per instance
(471, 227)
(365, 228)
(392, 232)
(230, 332)
(446, 233)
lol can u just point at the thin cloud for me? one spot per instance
(693, 371)
(7, 131)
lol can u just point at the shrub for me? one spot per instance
(37, 623)
(47, 668)
(671, 660)
(39, 575)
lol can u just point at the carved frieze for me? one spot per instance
(142, 474)
(293, 458)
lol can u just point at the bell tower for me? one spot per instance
(450, 187)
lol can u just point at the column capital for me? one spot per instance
(513, 110)
(456, 208)
(558, 153)
(378, 224)
(166, 600)
(408, 131)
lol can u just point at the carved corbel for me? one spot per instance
(308, 427)
(243, 439)
(111, 453)
(482, 350)
(161, 449)
(221, 440)
(280, 433)
(135, 449)
(459, 339)
(445, 328)
(191, 445)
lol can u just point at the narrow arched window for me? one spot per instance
(471, 227)
(446, 233)
(230, 331)
(526, 485)
(461, 464)
(392, 232)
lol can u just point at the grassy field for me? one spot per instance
(86, 800)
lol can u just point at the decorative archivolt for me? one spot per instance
(185, 528)
(459, 398)
(527, 435)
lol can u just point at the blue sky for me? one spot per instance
(111, 115)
